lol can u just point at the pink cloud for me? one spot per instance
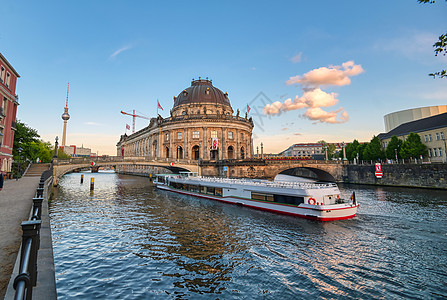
(332, 75)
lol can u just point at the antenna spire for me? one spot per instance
(68, 87)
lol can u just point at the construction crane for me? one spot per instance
(133, 118)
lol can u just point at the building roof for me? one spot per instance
(202, 91)
(430, 123)
(9, 65)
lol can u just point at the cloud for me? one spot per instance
(332, 75)
(297, 58)
(114, 54)
(92, 123)
(334, 117)
(284, 129)
(314, 98)
(311, 98)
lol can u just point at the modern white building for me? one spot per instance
(397, 118)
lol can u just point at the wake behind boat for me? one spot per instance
(319, 201)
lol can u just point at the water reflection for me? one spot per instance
(129, 240)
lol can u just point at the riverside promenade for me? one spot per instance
(16, 201)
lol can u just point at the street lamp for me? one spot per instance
(445, 148)
(18, 166)
(325, 149)
(344, 151)
(395, 150)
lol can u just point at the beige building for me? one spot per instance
(74, 151)
(202, 126)
(433, 133)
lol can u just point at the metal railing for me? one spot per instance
(27, 278)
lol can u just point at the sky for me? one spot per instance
(309, 70)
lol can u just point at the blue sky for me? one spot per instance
(124, 55)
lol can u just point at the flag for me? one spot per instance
(127, 126)
(159, 106)
(248, 109)
(354, 201)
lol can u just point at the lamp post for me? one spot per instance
(55, 147)
(344, 151)
(395, 150)
(445, 149)
(325, 149)
(18, 166)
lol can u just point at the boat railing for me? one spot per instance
(258, 182)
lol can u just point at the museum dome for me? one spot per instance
(202, 91)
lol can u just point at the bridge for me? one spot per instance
(247, 168)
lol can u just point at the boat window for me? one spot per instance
(210, 190)
(263, 197)
(203, 189)
(289, 199)
(194, 188)
(218, 192)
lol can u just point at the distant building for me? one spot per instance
(433, 133)
(74, 151)
(8, 111)
(303, 150)
(397, 118)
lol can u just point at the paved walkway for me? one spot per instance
(16, 200)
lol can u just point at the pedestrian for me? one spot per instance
(2, 179)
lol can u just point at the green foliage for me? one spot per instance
(373, 150)
(25, 138)
(352, 150)
(412, 147)
(440, 46)
(62, 155)
(330, 149)
(395, 143)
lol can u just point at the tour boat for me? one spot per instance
(318, 201)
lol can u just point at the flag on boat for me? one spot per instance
(354, 201)
(159, 106)
(127, 126)
(248, 109)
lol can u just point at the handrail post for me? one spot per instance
(31, 229)
(37, 203)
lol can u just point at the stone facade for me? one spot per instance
(202, 126)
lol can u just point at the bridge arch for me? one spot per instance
(308, 172)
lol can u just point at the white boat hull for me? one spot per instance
(308, 211)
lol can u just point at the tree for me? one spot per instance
(412, 147)
(330, 149)
(24, 138)
(395, 143)
(440, 47)
(62, 155)
(352, 150)
(373, 151)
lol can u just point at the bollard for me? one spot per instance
(37, 207)
(39, 192)
(92, 184)
(82, 178)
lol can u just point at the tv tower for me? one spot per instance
(65, 117)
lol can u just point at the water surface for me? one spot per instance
(128, 240)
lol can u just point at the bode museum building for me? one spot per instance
(202, 126)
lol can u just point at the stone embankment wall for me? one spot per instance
(408, 175)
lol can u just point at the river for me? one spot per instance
(128, 240)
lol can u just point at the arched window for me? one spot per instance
(179, 152)
(196, 152)
(167, 152)
(230, 152)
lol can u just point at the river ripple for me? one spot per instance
(128, 240)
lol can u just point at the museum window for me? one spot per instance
(8, 79)
(195, 134)
(437, 136)
(230, 135)
(2, 74)
(213, 134)
(179, 135)
(426, 138)
(442, 135)
(429, 137)
(242, 136)
(167, 136)
(435, 152)
(440, 151)
(429, 152)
